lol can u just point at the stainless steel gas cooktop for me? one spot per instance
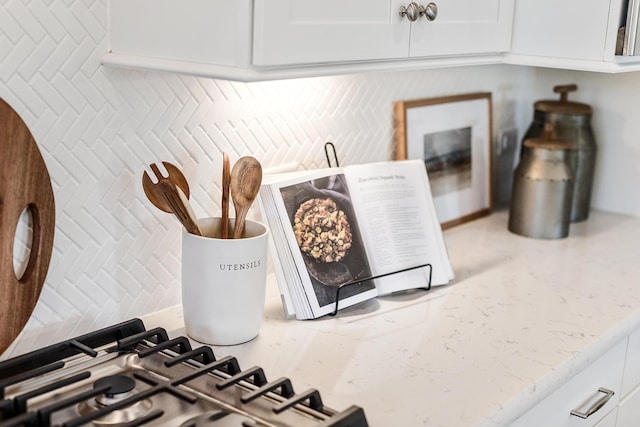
(127, 376)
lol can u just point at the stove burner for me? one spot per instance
(121, 387)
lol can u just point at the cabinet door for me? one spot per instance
(188, 31)
(609, 420)
(464, 27)
(288, 32)
(629, 410)
(575, 29)
(631, 378)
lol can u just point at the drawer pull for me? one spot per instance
(608, 394)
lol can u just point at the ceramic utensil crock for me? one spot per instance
(223, 283)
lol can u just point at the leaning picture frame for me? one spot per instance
(452, 134)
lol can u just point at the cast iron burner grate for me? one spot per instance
(126, 376)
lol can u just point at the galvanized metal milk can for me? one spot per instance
(571, 123)
(542, 190)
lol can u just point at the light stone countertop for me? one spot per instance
(521, 318)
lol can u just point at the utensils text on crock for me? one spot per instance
(171, 194)
(246, 177)
(226, 179)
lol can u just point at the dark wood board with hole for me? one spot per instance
(24, 184)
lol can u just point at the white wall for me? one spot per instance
(115, 255)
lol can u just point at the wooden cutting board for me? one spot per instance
(24, 184)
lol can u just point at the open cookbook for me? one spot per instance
(371, 226)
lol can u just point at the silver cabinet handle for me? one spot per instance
(412, 12)
(608, 394)
(430, 11)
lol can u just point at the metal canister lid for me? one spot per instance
(546, 142)
(563, 105)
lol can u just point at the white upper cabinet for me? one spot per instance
(266, 39)
(179, 35)
(263, 39)
(304, 32)
(464, 27)
(592, 35)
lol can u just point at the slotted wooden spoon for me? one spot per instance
(171, 194)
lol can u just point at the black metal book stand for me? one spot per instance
(356, 282)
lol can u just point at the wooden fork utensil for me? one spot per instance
(171, 194)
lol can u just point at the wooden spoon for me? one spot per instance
(226, 179)
(246, 177)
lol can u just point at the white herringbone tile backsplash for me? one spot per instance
(115, 255)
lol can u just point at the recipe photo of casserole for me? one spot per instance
(325, 229)
(322, 230)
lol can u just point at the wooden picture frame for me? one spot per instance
(452, 134)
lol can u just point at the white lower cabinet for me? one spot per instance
(631, 378)
(596, 388)
(617, 371)
(629, 410)
(609, 420)
(629, 407)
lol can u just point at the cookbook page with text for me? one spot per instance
(399, 225)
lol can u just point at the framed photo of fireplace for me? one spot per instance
(452, 134)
